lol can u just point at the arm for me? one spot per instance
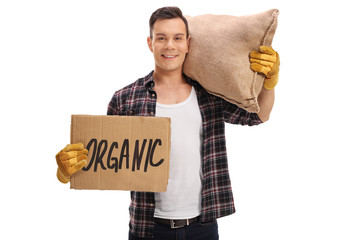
(267, 62)
(113, 105)
(266, 102)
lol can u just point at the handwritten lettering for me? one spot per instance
(100, 149)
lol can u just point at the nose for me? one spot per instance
(170, 44)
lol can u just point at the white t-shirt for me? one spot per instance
(183, 196)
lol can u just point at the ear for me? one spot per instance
(149, 42)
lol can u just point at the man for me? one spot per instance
(199, 188)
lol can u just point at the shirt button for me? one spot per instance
(153, 95)
(152, 113)
(151, 205)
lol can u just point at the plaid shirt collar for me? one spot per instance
(149, 80)
(150, 83)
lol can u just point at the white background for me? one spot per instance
(294, 177)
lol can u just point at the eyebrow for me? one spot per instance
(163, 34)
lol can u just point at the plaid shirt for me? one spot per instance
(139, 99)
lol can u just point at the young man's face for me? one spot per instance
(169, 44)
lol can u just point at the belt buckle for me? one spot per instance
(173, 225)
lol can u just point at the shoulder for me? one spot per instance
(128, 94)
(216, 106)
(206, 100)
(137, 86)
(200, 90)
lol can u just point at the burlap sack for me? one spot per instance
(218, 57)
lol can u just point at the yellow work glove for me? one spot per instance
(266, 61)
(70, 160)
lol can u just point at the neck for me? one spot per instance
(168, 78)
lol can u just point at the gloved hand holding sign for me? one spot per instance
(70, 160)
(266, 61)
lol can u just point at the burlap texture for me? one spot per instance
(219, 50)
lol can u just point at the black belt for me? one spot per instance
(177, 223)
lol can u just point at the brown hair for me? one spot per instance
(167, 13)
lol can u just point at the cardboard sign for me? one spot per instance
(125, 152)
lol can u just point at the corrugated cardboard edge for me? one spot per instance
(169, 144)
(72, 179)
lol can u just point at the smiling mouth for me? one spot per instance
(169, 56)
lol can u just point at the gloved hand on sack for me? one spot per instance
(266, 61)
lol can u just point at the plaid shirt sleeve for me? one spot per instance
(113, 106)
(236, 115)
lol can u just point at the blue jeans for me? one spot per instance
(195, 231)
